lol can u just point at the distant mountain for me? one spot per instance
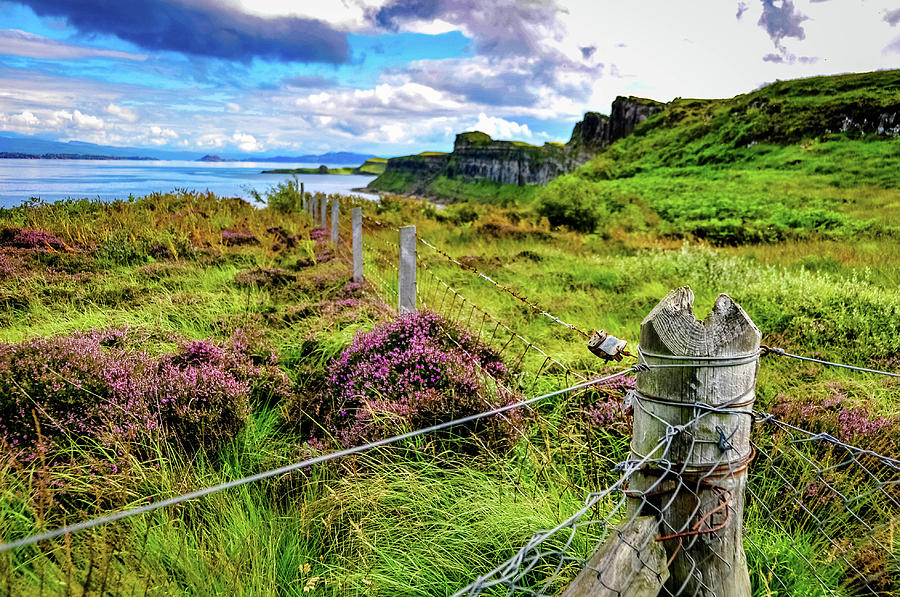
(24, 144)
(339, 157)
(13, 143)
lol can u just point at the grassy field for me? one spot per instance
(153, 347)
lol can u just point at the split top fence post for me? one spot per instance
(407, 274)
(323, 213)
(696, 399)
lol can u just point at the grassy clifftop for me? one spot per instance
(796, 159)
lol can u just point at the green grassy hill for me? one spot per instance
(796, 159)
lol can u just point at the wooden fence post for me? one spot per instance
(303, 198)
(692, 416)
(700, 499)
(312, 210)
(324, 211)
(407, 276)
(356, 218)
(335, 216)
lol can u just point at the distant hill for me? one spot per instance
(798, 121)
(13, 143)
(35, 146)
(7, 155)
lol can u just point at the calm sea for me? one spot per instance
(52, 180)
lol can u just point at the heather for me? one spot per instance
(92, 386)
(413, 372)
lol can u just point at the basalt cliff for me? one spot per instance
(476, 156)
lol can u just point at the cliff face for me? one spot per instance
(476, 156)
(597, 131)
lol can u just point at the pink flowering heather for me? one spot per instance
(840, 417)
(265, 277)
(604, 405)
(318, 234)
(407, 373)
(90, 385)
(236, 238)
(26, 238)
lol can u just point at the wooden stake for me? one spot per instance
(356, 220)
(407, 275)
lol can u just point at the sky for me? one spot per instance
(394, 77)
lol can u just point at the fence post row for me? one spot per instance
(696, 397)
(356, 220)
(407, 276)
(335, 216)
(323, 212)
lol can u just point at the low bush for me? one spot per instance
(412, 372)
(571, 202)
(27, 238)
(91, 385)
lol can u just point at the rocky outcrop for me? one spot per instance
(424, 165)
(476, 156)
(596, 131)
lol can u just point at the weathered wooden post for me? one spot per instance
(312, 210)
(692, 416)
(303, 198)
(335, 217)
(356, 219)
(407, 276)
(323, 213)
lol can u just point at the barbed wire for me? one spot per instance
(430, 300)
(540, 310)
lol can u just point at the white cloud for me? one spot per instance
(232, 107)
(87, 121)
(383, 99)
(499, 128)
(26, 119)
(161, 136)
(211, 140)
(122, 113)
(246, 142)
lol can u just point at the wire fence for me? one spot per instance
(816, 515)
(833, 506)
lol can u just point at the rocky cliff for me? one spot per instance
(476, 156)
(597, 131)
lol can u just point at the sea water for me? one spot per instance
(52, 180)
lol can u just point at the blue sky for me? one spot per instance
(392, 77)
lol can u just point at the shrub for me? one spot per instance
(121, 250)
(236, 238)
(265, 277)
(415, 371)
(91, 385)
(572, 202)
(284, 197)
(27, 238)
